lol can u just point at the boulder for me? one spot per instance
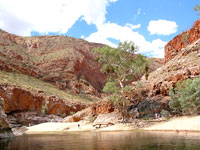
(148, 108)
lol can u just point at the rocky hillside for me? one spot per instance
(183, 64)
(65, 62)
(175, 46)
(182, 57)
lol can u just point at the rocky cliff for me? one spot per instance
(184, 65)
(4, 124)
(65, 62)
(23, 93)
(176, 45)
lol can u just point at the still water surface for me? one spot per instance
(104, 141)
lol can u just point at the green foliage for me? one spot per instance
(71, 113)
(140, 65)
(197, 8)
(63, 115)
(129, 47)
(92, 119)
(110, 87)
(122, 67)
(115, 98)
(34, 85)
(120, 64)
(165, 113)
(44, 109)
(127, 88)
(185, 98)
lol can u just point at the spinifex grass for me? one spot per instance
(34, 85)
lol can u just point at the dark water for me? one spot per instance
(104, 141)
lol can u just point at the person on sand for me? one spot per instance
(78, 125)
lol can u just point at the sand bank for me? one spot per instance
(178, 124)
(174, 124)
(70, 127)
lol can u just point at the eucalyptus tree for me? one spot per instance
(122, 66)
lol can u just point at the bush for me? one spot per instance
(110, 87)
(185, 98)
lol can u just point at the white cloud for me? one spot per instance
(113, 0)
(123, 33)
(133, 26)
(162, 27)
(158, 48)
(23, 16)
(82, 36)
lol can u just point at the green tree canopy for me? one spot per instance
(122, 66)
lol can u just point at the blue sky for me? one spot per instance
(149, 23)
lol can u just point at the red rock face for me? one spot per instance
(60, 107)
(102, 107)
(181, 41)
(89, 70)
(59, 60)
(17, 100)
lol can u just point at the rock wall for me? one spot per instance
(59, 60)
(181, 41)
(90, 113)
(20, 100)
(3, 119)
(5, 130)
(103, 107)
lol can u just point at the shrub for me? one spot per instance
(110, 87)
(165, 113)
(44, 109)
(92, 119)
(185, 98)
(71, 113)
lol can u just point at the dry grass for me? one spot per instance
(34, 85)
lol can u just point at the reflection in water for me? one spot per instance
(103, 141)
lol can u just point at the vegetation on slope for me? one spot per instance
(54, 59)
(34, 85)
(185, 98)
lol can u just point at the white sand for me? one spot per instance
(180, 124)
(69, 127)
(57, 127)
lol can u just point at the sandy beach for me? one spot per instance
(186, 123)
(73, 127)
(175, 124)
